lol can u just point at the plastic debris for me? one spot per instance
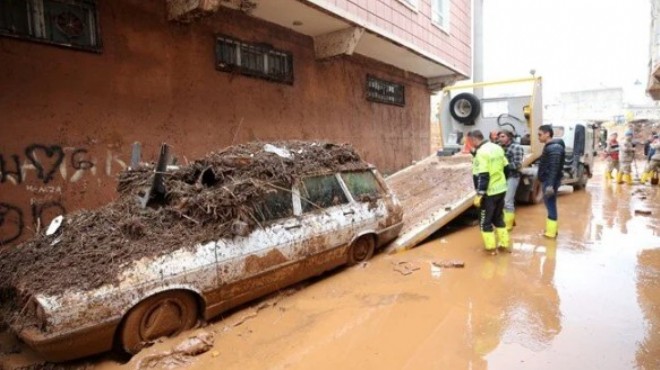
(55, 225)
(282, 152)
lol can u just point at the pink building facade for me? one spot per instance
(85, 79)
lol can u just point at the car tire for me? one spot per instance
(162, 315)
(361, 250)
(465, 108)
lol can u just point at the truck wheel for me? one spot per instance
(162, 315)
(583, 179)
(361, 250)
(465, 108)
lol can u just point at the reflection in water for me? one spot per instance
(648, 293)
(538, 317)
(526, 312)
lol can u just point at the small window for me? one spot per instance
(71, 23)
(321, 192)
(382, 91)
(557, 131)
(258, 60)
(363, 185)
(275, 204)
(440, 13)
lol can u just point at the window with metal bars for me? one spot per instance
(71, 23)
(258, 60)
(387, 92)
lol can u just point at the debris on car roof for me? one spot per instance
(201, 202)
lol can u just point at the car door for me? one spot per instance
(367, 195)
(251, 265)
(327, 219)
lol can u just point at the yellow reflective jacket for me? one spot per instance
(488, 169)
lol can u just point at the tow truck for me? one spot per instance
(439, 188)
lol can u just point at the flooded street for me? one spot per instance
(588, 300)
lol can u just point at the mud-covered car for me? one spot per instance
(222, 231)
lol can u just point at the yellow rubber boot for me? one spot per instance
(489, 240)
(503, 238)
(509, 220)
(550, 229)
(607, 175)
(619, 176)
(645, 177)
(627, 178)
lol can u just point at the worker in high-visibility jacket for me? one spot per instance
(490, 183)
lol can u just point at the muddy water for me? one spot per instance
(590, 299)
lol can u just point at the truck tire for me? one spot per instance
(583, 178)
(465, 108)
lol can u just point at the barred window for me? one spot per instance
(71, 23)
(258, 60)
(387, 92)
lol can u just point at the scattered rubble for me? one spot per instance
(405, 267)
(449, 264)
(179, 355)
(216, 196)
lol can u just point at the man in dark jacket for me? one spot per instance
(551, 166)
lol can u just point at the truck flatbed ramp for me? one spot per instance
(432, 192)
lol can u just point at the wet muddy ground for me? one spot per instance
(588, 300)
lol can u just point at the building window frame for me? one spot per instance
(411, 4)
(386, 92)
(40, 26)
(253, 59)
(440, 12)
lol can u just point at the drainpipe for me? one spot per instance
(478, 45)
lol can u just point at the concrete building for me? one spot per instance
(595, 104)
(82, 80)
(653, 86)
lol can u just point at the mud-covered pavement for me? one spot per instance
(590, 299)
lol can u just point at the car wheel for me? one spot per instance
(162, 315)
(465, 108)
(361, 250)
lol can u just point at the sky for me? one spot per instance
(573, 44)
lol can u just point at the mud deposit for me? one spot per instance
(431, 185)
(204, 200)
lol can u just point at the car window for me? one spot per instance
(363, 185)
(321, 191)
(275, 204)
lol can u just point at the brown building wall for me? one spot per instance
(68, 118)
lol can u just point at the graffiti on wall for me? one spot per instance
(42, 170)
